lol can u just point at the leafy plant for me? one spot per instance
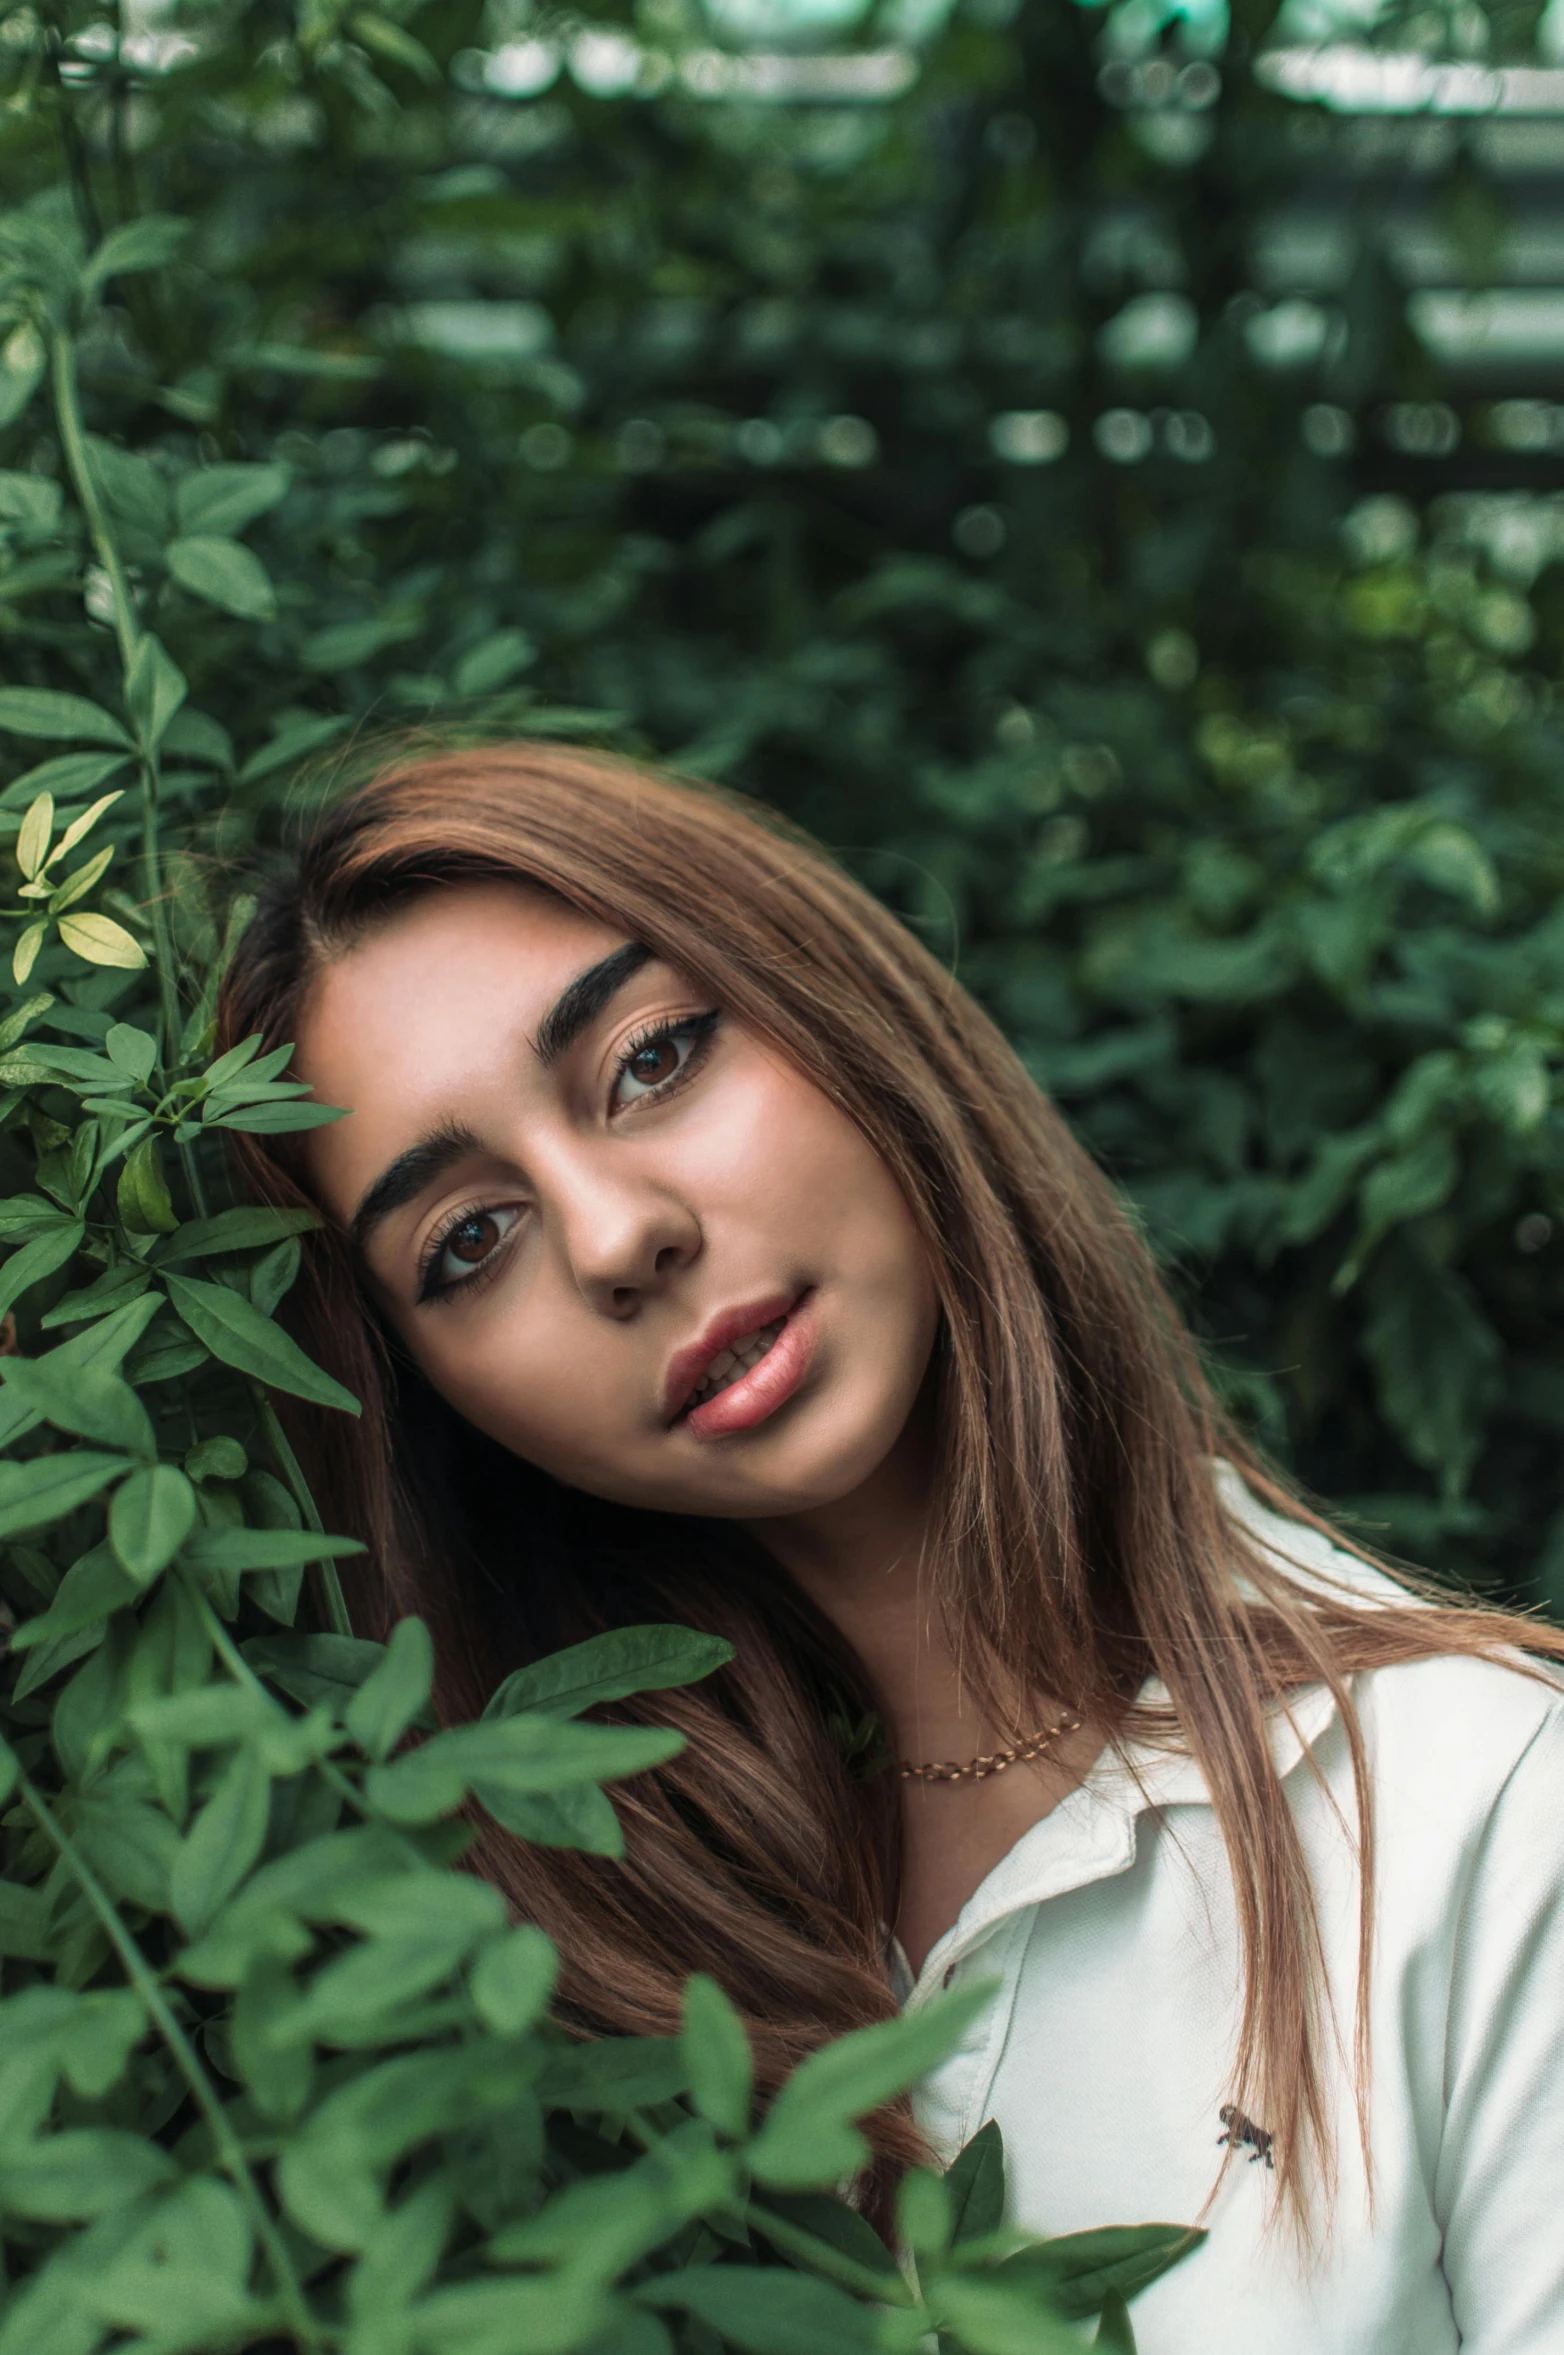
(962, 470)
(349, 375)
(277, 2071)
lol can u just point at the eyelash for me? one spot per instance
(699, 1029)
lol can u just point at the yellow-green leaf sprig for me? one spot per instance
(90, 935)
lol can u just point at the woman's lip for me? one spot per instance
(766, 1386)
(688, 1369)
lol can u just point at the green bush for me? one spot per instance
(276, 2071)
(581, 398)
(339, 387)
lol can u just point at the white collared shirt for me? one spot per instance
(1106, 2053)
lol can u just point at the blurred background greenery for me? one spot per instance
(1092, 464)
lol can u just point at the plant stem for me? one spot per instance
(329, 1585)
(154, 2002)
(128, 631)
(73, 441)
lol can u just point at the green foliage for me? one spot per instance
(932, 467)
(278, 2071)
(821, 448)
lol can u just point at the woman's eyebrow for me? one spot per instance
(409, 1175)
(579, 1004)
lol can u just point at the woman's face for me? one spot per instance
(615, 1229)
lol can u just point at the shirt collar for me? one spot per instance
(1091, 1835)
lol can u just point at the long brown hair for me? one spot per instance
(1080, 1536)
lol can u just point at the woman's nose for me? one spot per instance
(624, 1239)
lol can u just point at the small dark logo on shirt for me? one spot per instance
(1242, 2133)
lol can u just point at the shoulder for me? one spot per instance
(1452, 1733)
(1310, 1555)
(1446, 1733)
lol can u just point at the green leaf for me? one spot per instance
(583, 1819)
(1436, 1359)
(76, 885)
(92, 1401)
(248, 1229)
(24, 1920)
(181, 2277)
(148, 243)
(923, 2217)
(390, 41)
(134, 489)
(519, 2315)
(129, 1845)
(494, 662)
(218, 1459)
(520, 1754)
(113, 1289)
(32, 841)
(223, 1843)
(396, 1694)
(84, 2172)
(316, 1669)
(221, 501)
(294, 742)
(30, 499)
(261, 1120)
(142, 1197)
(354, 1992)
(92, 1590)
(24, 356)
(133, 1050)
(717, 2057)
(273, 1277)
(101, 941)
(25, 1214)
(615, 2074)
(513, 1979)
(240, 1336)
(343, 645)
(994, 2317)
(1081, 2269)
(768, 2311)
(975, 2182)
(226, 573)
(108, 1342)
(155, 687)
(264, 1549)
(39, 711)
(38, 1259)
(25, 955)
(809, 2138)
(21, 1017)
(608, 1668)
(48, 1487)
(66, 776)
(150, 1517)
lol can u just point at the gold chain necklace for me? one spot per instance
(946, 1770)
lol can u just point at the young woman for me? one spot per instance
(700, 1251)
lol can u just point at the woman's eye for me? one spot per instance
(466, 1246)
(650, 1063)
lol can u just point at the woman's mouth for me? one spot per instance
(748, 1377)
(730, 1365)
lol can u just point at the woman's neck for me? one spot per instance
(864, 1562)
